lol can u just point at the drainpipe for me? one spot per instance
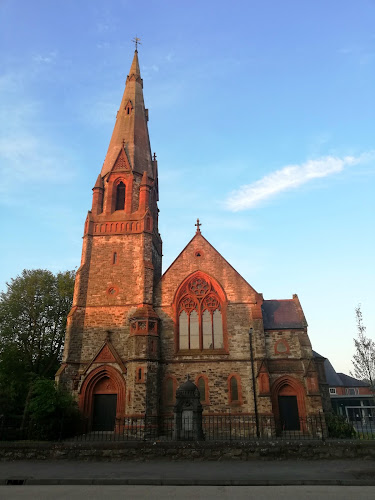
(253, 379)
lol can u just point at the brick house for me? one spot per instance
(133, 334)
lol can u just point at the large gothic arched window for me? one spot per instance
(200, 315)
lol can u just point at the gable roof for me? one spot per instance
(282, 314)
(198, 235)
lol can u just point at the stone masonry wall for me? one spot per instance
(215, 367)
(112, 451)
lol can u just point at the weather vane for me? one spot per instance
(137, 41)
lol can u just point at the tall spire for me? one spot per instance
(130, 131)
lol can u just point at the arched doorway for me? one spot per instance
(102, 398)
(288, 400)
(104, 405)
(288, 409)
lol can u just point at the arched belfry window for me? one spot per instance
(200, 315)
(120, 196)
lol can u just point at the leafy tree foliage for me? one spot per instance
(33, 313)
(53, 412)
(364, 357)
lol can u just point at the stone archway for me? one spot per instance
(288, 401)
(102, 398)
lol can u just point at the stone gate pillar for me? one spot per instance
(188, 413)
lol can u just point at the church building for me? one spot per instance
(134, 335)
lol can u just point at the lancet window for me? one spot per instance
(120, 196)
(200, 315)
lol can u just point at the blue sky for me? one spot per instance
(262, 119)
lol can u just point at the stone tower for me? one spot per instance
(111, 354)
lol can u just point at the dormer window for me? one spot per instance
(128, 108)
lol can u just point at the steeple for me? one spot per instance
(130, 131)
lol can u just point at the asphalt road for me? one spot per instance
(189, 492)
(197, 473)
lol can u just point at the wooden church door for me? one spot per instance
(104, 412)
(104, 405)
(288, 408)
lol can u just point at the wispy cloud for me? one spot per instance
(287, 178)
(45, 59)
(103, 27)
(362, 55)
(103, 45)
(169, 57)
(29, 156)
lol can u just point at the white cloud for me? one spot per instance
(289, 177)
(45, 59)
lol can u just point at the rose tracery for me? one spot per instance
(199, 286)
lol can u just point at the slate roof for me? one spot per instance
(348, 381)
(282, 314)
(335, 379)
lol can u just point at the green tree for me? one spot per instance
(53, 412)
(33, 312)
(364, 357)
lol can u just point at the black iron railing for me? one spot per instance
(216, 427)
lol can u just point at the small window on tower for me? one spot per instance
(139, 376)
(128, 108)
(114, 259)
(120, 196)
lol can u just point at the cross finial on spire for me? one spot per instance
(198, 224)
(136, 41)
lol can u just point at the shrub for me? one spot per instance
(339, 427)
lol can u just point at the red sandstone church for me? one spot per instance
(134, 334)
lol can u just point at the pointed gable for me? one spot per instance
(200, 255)
(122, 162)
(106, 354)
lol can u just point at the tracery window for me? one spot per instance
(120, 196)
(200, 318)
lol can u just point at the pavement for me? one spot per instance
(198, 473)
